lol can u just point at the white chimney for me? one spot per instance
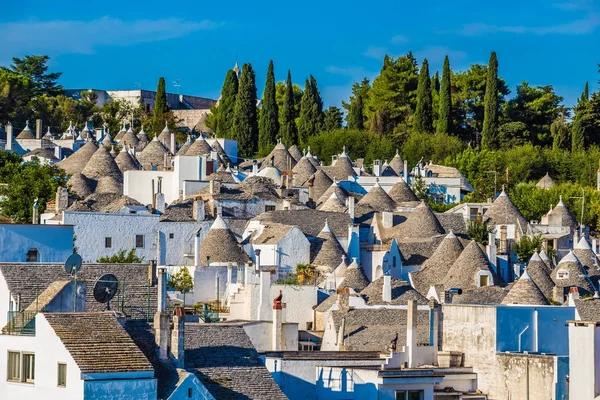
(351, 207)
(214, 187)
(406, 177)
(38, 128)
(161, 318)
(257, 263)
(264, 299)
(278, 339)
(411, 332)
(173, 146)
(58, 152)
(387, 218)
(9, 137)
(35, 215)
(377, 168)
(595, 246)
(254, 167)
(198, 212)
(387, 288)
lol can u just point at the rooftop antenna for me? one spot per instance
(72, 266)
(105, 289)
(176, 84)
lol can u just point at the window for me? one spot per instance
(108, 242)
(269, 208)
(171, 235)
(562, 274)
(394, 262)
(483, 280)
(189, 393)
(410, 395)
(62, 375)
(32, 255)
(28, 367)
(139, 241)
(14, 366)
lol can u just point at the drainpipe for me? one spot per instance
(520, 335)
(535, 331)
(197, 249)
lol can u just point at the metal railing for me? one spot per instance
(20, 323)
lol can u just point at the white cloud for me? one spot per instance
(375, 52)
(83, 37)
(399, 39)
(436, 54)
(352, 72)
(577, 27)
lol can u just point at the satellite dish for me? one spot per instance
(73, 264)
(105, 289)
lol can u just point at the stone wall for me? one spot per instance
(525, 376)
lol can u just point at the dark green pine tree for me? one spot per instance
(444, 124)
(423, 121)
(489, 133)
(333, 118)
(311, 111)
(581, 121)
(245, 122)
(268, 127)
(225, 110)
(355, 117)
(560, 133)
(288, 130)
(586, 92)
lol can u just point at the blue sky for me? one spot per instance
(129, 44)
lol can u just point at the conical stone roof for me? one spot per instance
(570, 273)
(125, 162)
(199, 148)
(129, 139)
(402, 292)
(525, 291)
(120, 134)
(165, 135)
(153, 155)
(463, 272)
(221, 245)
(434, 270)
(102, 164)
(340, 270)
(77, 161)
(79, 185)
(216, 146)
(567, 219)
(183, 149)
(546, 259)
(540, 274)
(295, 152)
(319, 184)
(397, 164)
(377, 199)
(402, 193)
(545, 183)
(334, 188)
(280, 158)
(302, 171)
(333, 204)
(108, 184)
(143, 140)
(312, 159)
(354, 278)
(342, 168)
(504, 212)
(26, 133)
(421, 223)
(326, 251)
(587, 257)
(107, 140)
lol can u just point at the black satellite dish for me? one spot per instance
(73, 264)
(105, 289)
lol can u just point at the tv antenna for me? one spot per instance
(105, 289)
(176, 84)
(72, 266)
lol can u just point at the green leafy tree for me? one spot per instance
(311, 111)
(392, 99)
(287, 129)
(333, 118)
(121, 257)
(15, 93)
(560, 133)
(423, 120)
(182, 282)
(245, 121)
(526, 246)
(478, 230)
(419, 186)
(513, 134)
(306, 274)
(24, 183)
(36, 69)
(269, 115)
(434, 147)
(444, 123)
(226, 107)
(489, 135)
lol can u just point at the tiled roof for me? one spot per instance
(76, 162)
(588, 309)
(28, 279)
(97, 342)
(310, 221)
(272, 233)
(401, 192)
(402, 292)
(225, 361)
(504, 212)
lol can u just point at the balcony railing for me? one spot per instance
(20, 323)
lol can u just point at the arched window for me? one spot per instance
(33, 255)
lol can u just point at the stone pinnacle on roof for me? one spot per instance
(377, 199)
(525, 291)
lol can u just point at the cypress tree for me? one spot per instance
(268, 127)
(586, 92)
(580, 127)
(356, 114)
(424, 113)
(288, 130)
(311, 111)
(559, 133)
(489, 134)
(245, 123)
(227, 105)
(332, 118)
(160, 100)
(444, 124)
